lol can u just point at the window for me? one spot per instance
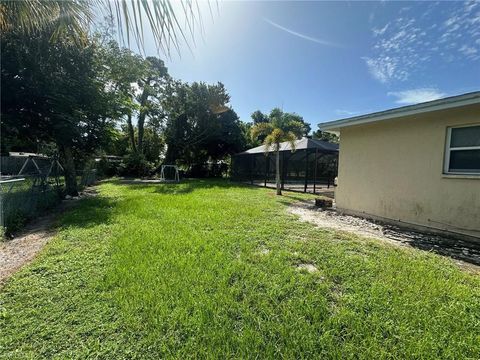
(462, 155)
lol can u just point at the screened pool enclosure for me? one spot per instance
(312, 167)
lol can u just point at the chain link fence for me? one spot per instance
(30, 185)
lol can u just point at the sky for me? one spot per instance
(331, 60)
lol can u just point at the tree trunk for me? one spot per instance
(277, 170)
(131, 133)
(141, 118)
(170, 154)
(140, 127)
(70, 172)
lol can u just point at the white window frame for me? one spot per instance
(449, 149)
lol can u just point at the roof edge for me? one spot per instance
(429, 106)
(301, 144)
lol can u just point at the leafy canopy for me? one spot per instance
(200, 125)
(326, 136)
(54, 93)
(280, 127)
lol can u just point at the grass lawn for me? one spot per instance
(208, 269)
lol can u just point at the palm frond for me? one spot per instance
(278, 129)
(268, 143)
(261, 129)
(65, 17)
(291, 138)
(273, 140)
(163, 21)
(73, 17)
(295, 127)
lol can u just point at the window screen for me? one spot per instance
(463, 150)
(465, 136)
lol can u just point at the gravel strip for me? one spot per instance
(467, 254)
(23, 248)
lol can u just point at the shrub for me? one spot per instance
(106, 168)
(135, 164)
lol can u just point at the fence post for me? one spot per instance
(252, 159)
(11, 183)
(306, 171)
(267, 162)
(315, 173)
(2, 223)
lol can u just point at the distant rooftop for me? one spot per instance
(27, 154)
(425, 107)
(302, 144)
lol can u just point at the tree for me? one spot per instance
(326, 136)
(247, 135)
(276, 112)
(59, 86)
(200, 128)
(55, 93)
(280, 127)
(151, 86)
(123, 70)
(73, 18)
(137, 84)
(259, 117)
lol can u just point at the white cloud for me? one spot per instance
(380, 31)
(380, 69)
(462, 27)
(300, 35)
(451, 21)
(394, 51)
(415, 96)
(469, 5)
(385, 68)
(406, 45)
(471, 52)
(468, 50)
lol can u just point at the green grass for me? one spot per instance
(181, 271)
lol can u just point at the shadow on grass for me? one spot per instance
(89, 212)
(442, 244)
(183, 187)
(289, 198)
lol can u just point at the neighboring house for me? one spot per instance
(417, 164)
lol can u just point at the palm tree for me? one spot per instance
(74, 18)
(278, 129)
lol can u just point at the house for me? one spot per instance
(311, 167)
(416, 165)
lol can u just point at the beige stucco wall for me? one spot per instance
(394, 169)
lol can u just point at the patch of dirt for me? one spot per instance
(467, 254)
(307, 267)
(23, 248)
(147, 181)
(264, 251)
